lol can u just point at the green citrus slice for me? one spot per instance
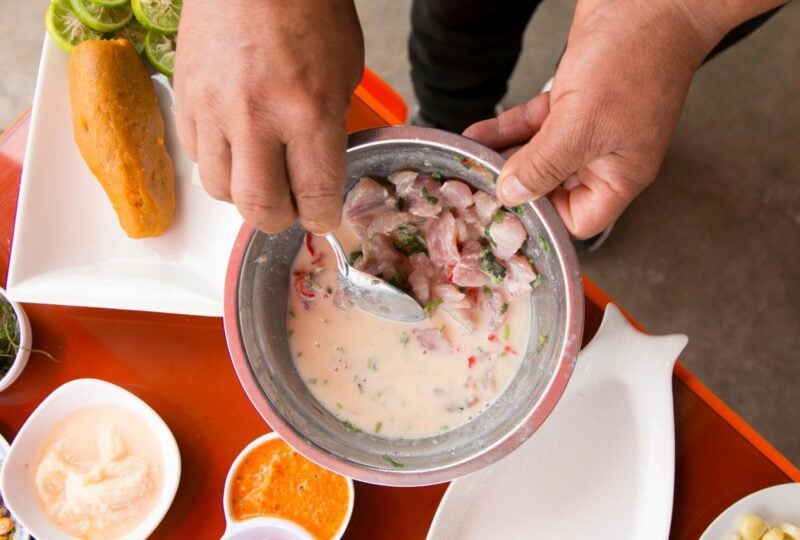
(158, 15)
(64, 26)
(133, 32)
(111, 3)
(102, 19)
(160, 50)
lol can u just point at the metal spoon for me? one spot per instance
(372, 294)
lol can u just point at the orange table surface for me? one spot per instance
(180, 366)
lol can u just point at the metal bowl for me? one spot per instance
(256, 292)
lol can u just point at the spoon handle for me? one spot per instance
(341, 258)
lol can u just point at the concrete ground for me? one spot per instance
(712, 249)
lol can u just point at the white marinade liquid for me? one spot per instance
(373, 374)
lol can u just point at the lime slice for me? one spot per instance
(158, 15)
(65, 28)
(111, 3)
(160, 50)
(133, 32)
(102, 19)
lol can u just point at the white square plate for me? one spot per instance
(68, 246)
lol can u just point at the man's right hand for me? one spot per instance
(262, 91)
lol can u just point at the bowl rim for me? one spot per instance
(20, 533)
(561, 246)
(232, 524)
(81, 393)
(25, 340)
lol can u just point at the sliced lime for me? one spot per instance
(160, 50)
(133, 32)
(102, 19)
(64, 26)
(158, 15)
(111, 3)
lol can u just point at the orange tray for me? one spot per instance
(180, 366)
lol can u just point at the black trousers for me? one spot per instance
(463, 53)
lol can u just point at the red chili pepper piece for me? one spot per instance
(491, 337)
(310, 245)
(471, 361)
(300, 287)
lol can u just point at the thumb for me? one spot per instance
(556, 152)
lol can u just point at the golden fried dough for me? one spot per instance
(120, 133)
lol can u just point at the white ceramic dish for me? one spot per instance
(776, 504)
(270, 527)
(16, 478)
(19, 533)
(68, 246)
(25, 340)
(601, 466)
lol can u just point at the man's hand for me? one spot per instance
(597, 139)
(262, 90)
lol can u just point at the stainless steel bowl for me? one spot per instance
(256, 292)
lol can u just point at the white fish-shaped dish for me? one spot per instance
(601, 466)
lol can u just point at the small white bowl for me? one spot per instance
(16, 478)
(24, 350)
(270, 527)
(19, 533)
(261, 528)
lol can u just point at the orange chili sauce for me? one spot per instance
(274, 480)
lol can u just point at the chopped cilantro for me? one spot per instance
(404, 338)
(349, 425)
(487, 292)
(544, 244)
(339, 405)
(396, 464)
(506, 332)
(354, 256)
(489, 266)
(431, 305)
(312, 281)
(428, 198)
(436, 175)
(498, 216)
(378, 427)
(503, 308)
(488, 235)
(329, 289)
(408, 239)
(519, 209)
(538, 280)
(542, 342)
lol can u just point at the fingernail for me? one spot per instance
(513, 192)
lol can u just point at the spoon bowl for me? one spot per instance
(372, 294)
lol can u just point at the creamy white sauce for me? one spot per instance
(373, 374)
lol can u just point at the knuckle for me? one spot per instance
(318, 192)
(318, 226)
(543, 169)
(270, 218)
(218, 191)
